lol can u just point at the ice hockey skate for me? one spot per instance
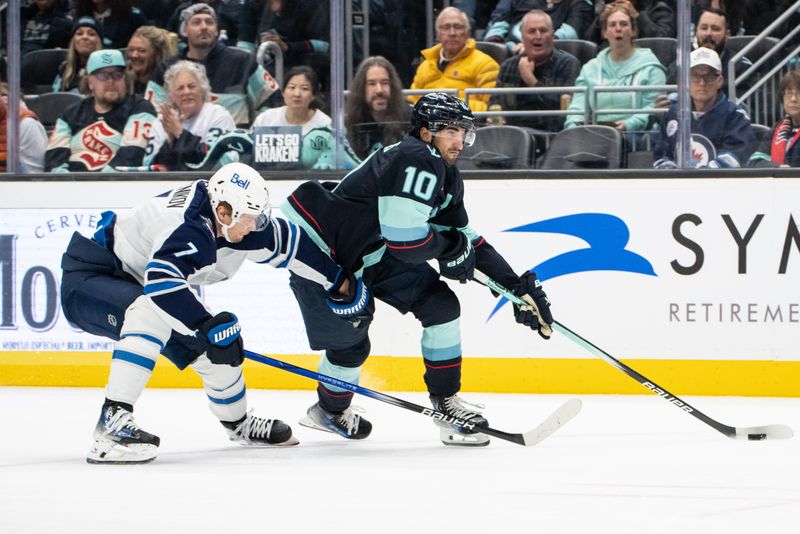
(254, 431)
(463, 420)
(348, 424)
(119, 440)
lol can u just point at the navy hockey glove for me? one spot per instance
(353, 305)
(224, 344)
(458, 263)
(536, 315)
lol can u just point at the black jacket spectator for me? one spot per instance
(560, 71)
(223, 68)
(571, 18)
(45, 28)
(227, 17)
(117, 21)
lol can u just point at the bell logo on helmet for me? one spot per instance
(244, 184)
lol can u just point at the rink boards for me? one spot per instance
(694, 283)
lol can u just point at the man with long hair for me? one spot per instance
(376, 114)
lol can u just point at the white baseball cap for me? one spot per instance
(705, 56)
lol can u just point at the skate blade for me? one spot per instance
(110, 452)
(454, 439)
(291, 442)
(310, 423)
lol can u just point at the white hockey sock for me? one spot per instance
(132, 363)
(225, 389)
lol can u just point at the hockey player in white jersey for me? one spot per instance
(131, 282)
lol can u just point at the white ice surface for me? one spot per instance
(625, 464)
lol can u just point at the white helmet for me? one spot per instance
(243, 188)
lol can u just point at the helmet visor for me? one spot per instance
(260, 220)
(452, 130)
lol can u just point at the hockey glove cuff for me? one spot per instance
(353, 305)
(536, 315)
(458, 263)
(221, 333)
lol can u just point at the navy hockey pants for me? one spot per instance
(405, 287)
(95, 293)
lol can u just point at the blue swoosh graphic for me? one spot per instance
(607, 235)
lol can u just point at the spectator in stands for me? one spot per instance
(712, 32)
(455, 63)
(149, 47)
(45, 24)
(656, 18)
(376, 114)
(227, 13)
(108, 130)
(188, 123)
(620, 64)
(199, 29)
(300, 28)
(721, 132)
(571, 19)
(32, 136)
(86, 38)
(157, 12)
(539, 65)
(301, 91)
(733, 9)
(117, 19)
(785, 148)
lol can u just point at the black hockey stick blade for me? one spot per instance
(556, 420)
(753, 433)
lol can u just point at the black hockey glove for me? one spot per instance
(224, 345)
(458, 263)
(536, 315)
(353, 305)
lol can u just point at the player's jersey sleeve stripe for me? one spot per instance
(162, 266)
(159, 288)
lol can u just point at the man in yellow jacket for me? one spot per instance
(455, 63)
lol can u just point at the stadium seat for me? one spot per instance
(665, 48)
(498, 147)
(585, 147)
(38, 70)
(763, 133)
(498, 51)
(50, 106)
(583, 50)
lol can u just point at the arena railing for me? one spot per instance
(766, 106)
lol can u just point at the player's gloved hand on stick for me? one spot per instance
(221, 333)
(536, 315)
(458, 263)
(351, 305)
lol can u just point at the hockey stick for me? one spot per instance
(556, 420)
(753, 433)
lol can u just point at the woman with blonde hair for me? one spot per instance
(188, 123)
(86, 38)
(147, 48)
(621, 64)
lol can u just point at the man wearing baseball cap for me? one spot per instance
(721, 132)
(226, 68)
(229, 70)
(109, 129)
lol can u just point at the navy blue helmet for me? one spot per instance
(436, 111)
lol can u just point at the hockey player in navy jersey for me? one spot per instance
(131, 283)
(400, 208)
